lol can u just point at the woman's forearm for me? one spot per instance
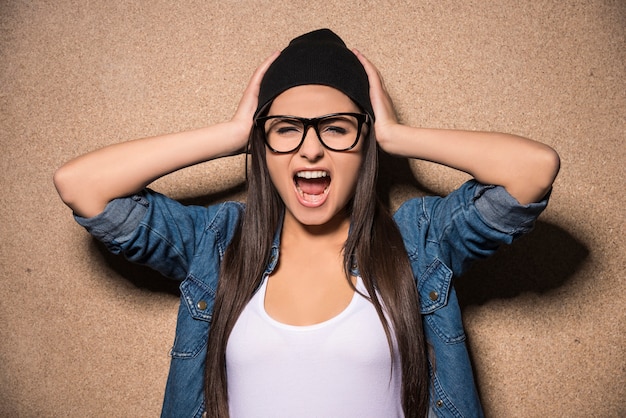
(87, 183)
(526, 168)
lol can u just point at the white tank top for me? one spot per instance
(337, 368)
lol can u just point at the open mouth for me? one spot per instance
(312, 186)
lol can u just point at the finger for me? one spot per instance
(381, 100)
(249, 100)
(372, 72)
(378, 91)
(261, 69)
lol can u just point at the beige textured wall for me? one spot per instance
(85, 334)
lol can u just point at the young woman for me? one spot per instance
(311, 300)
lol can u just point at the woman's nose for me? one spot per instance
(311, 148)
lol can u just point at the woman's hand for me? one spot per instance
(243, 118)
(384, 111)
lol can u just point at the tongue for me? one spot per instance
(313, 186)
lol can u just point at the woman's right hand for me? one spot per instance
(243, 118)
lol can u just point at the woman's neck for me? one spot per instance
(334, 232)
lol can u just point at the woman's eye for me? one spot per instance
(338, 126)
(286, 129)
(337, 129)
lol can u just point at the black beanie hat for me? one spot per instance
(318, 57)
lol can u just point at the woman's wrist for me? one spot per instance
(399, 140)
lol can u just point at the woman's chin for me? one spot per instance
(323, 215)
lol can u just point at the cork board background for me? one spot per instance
(83, 333)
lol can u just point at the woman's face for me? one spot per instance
(314, 182)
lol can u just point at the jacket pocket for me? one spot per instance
(194, 318)
(439, 304)
(445, 324)
(434, 286)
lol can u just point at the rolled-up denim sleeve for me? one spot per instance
(118, 222)
(154, 230)
(503, 212)
(468, 224)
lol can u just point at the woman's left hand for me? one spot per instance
(384, 111)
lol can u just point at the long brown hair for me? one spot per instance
(374, 243)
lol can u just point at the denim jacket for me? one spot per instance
(441, 235)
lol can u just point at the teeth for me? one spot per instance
(311, 174)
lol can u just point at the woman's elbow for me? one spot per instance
(548, 165)
(73, 189)
(545, 168)
(533, 178)
(64, 183)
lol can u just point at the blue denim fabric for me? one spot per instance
(442, 236)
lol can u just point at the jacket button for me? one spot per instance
(433, 295)
(439, 403)
(201, 305)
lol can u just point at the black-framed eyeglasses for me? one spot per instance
(336, 131)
